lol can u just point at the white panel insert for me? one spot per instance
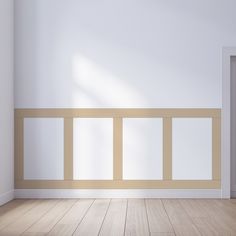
(192, 148)
(43, 148)
(142, 148)
(93, 148)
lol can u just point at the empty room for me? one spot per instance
(118, 117)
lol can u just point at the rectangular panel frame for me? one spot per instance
(117, 115)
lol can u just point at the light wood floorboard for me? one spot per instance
(23, 222)
(13, 214)
(49, 220)
(136, 221)
(92, 222)
(200, 216)
(158, 219)
(181, 222)
(114, 223)
(119, 217)
(68, 224)
(225, 223)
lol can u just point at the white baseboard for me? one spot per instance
(6, 197)
(118, 193)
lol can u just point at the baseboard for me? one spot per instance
(118, 193)
(6, 197)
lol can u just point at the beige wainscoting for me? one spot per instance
(117, 115)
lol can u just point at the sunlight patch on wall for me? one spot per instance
(96, 87)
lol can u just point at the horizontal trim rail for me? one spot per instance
(117, 112)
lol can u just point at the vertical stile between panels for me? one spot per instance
(117, 148)
(216, 149)
(167, 148)
(68, 148)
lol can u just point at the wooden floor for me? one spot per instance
(110, 217)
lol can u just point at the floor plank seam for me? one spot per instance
(83, 217)
(22, 215)
(126, 212)
(104, 218)
(190, 218)
(4, 209)
(42, 215)
(168, 217)
(147, 217)
(62, 216)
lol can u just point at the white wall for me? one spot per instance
(165, 53)
(144, 53)
(6, 101)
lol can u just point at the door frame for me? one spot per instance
(227, 53)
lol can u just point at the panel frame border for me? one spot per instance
(117, 115)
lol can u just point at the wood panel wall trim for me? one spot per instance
(167, 148)
(117, 148)
(19, 149)
(117, 112)
(216, 148)
(68, 148)
(117, 182)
